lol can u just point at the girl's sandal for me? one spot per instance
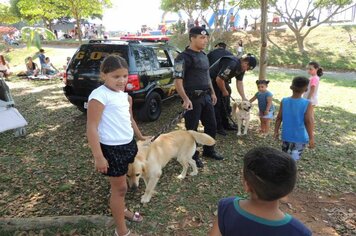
(136, 217)
(127, 234)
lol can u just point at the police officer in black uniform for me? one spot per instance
(221, 73)
(213, 56)
(218, 52)
(194, 86)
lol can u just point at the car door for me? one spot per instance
(164, 70)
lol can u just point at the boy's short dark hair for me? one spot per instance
(270, 173)
(41, 50)
(299, 84)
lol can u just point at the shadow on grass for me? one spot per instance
(50, 171)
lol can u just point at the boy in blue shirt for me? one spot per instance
(269, 175)
(296, 116)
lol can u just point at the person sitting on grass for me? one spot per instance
(4, 67)
(48, 67)
(268, 176)
(32, 68)
(296, 116)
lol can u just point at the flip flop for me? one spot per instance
(136, 217)
(127, 234)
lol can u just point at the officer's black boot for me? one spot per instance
(197, 160)
(210, 152)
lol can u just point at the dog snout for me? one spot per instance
(134, 187)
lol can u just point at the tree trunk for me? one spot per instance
(37, 223)
(300, 43)
(263, 51)
(79, 29)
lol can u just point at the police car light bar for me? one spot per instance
(146, 38)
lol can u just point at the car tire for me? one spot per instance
(82, 109)
(151, 109)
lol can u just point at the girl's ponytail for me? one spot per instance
(320, 72)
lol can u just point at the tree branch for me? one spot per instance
(321, 22)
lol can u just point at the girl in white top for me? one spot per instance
(311, 94)
(110, 130)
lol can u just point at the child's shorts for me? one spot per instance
(119, 157)
(268, 116)
(293, 149)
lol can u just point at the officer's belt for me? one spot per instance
(198, 93)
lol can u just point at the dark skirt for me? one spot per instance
(119, 157)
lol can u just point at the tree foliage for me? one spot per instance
(287, 10)
(6, 16)
(187, 6)
(79, 9)
(32, 35)
(46, 10)
(246, 4)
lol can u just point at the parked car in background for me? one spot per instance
(150, 73)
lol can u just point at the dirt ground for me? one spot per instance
(324, 214)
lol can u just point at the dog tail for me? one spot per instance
(202, 138)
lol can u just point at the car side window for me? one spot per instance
(174, 53)
(143, 59)
(163, 57)
(138, 60)
(152, 57)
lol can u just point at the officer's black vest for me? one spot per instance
(196, 76)
(232, 57)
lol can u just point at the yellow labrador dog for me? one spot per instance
(241, 113)
(137, 168)
(177, 144)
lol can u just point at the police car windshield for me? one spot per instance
(91, 55)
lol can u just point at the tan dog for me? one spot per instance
(177, 144)
(136, 169)
(241, 112)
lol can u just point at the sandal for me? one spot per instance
(127, 234)
(136, 217)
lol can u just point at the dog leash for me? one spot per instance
(225, 108)
(170, 124)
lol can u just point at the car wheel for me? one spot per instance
(82, 109)
(151, 109)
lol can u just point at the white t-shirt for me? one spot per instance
(115, 125)
(314, 81)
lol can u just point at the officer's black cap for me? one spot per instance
(198, 30)
(252, 61)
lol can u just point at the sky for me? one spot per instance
(129, 15)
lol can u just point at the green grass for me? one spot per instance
(50, 171)
(328, 45)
